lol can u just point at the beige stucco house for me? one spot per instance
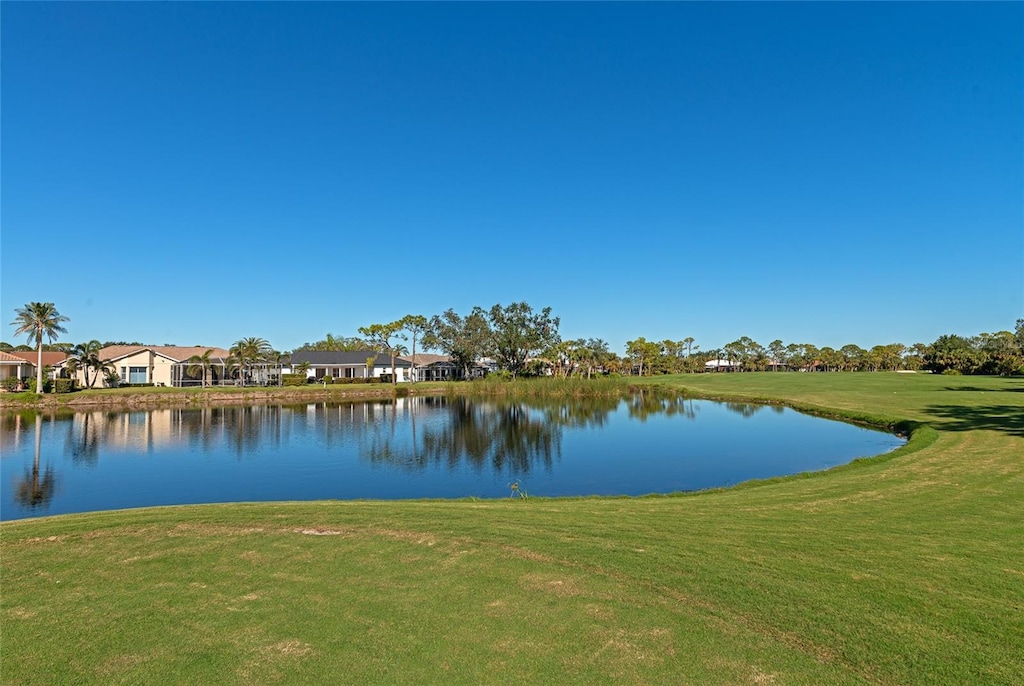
(14, 367)
(149, 364)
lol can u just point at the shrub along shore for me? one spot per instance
(905, 568)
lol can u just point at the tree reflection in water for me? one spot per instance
(514, 437)
(36, 489)
(505, 434)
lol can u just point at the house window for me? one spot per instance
(124, 374)
(136, 375)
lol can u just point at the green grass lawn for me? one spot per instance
(905, 569)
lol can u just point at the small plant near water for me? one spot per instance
(517, 490)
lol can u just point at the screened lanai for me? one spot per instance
(226, 372)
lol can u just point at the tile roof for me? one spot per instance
(428, 358)
(49, 358)
(10, 357)
(174, 352)
(333, 357)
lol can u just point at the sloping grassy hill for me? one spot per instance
(903, 569)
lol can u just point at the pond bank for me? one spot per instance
(172, 397)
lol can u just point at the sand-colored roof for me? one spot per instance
(422, 359)
(49, 358)
(174, 352)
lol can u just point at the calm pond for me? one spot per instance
(424, 447)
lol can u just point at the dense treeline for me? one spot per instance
(522, 342)
(987, 353)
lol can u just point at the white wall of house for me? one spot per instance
(353, 371)
(17, 370)
(144, 367)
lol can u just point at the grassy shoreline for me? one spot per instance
(906, 568)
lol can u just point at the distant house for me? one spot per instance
(722, 366)
(21, 364)
(15, 367)
(431, 367)
(349, 365)
(160, 365)
(50, 359)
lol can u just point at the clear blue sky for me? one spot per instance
(194, 173)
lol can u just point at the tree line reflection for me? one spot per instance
(513, 437)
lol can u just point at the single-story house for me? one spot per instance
(722, 366)
(348, 365)
(21, 364)
(430, 367)
(14, 367)
(160, 365)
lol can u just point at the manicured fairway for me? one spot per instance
(903, 569)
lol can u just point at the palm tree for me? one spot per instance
(248, 351)
(37, 320)
(379, 336)
(86, 356)
(418, 326)
(36, 489)
(200, 363)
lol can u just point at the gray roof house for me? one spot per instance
(348, 365)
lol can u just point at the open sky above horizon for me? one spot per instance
(829, 173)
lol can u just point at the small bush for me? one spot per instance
(293, 379)
(64, 385)
(11, 384)
(951, 372)
(32, 385)
(327, 380)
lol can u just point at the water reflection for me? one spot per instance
(456, 446)
(507, 436)
(35, 489)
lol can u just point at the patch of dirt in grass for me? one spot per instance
(136, 558)
(213, 530)
(144, 533)
(560, 587)
(21, 613)
(45, 539)
(625, 650)
(417, 537)
(454, 558)
(741, 671)
(120, 663)
(830, 503)
(759, 677)
(263, 667)
(288, 648)
(527, 554)
(322, 532)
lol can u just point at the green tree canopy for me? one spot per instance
(517, 333)
(386, 338)
(464, 339)
(39, 320)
